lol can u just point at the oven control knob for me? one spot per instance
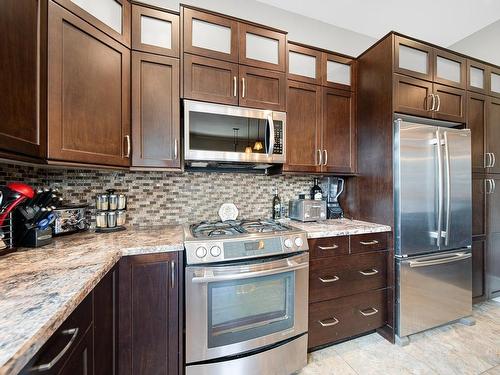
(201, 252)
(299, 241)
(215, 251)
(288, 243)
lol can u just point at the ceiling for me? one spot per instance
(442, 22)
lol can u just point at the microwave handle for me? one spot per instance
(272, 140)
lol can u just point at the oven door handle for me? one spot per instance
(293, 266)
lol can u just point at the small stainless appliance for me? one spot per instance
(335, 187)
(246, 298)
(69, 219)
(307, 210)
(433, 218)
(218, 135)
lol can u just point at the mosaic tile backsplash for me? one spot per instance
(160, 198)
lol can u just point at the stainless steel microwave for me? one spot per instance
(230, 134)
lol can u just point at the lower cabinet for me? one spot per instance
(149, 317)
(478, 275)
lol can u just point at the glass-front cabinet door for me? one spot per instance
(450, 69)
(339, 72)
(413, 58)
(477, 77)
(261, 47)
(494, 81)
(304, 64)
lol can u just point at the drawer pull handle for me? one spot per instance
(369, 312)
(330, 280)
(374, 242)
(334, 321)
(328, 247)
(53, 362)
(371, 272)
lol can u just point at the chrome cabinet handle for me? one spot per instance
(243, 87)
(235, 86)
(494, 159)
(487, 160)
(433, 102)
(438, 103)
(176, 151)
(330, 280)
(127, 138)
(47, 366)
(488, 186)
(333, 247)
(369, 312)
(334, 321)
(494, 186)
(320, 161)
(172, 274)
(371, 272)
(326, 157)
(373, 242)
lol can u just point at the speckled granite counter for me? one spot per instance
(40, 288)
(338, 227)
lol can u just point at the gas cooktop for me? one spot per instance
(236, 228)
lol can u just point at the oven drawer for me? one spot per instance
(345, 275)
(344, 317)
(362, 243)
(328, 247)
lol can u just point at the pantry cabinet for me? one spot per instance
(477, 110)
(493, 136)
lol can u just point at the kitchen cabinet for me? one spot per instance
(339, 72)
(88, 93)
(478, 266)
(479, 188)
(477, 110)
(494, 81)
(304, 64)
(450, 104)
(155, 31)
(450, 69)
(493, 239)
(155, 111)
(22, 124)
(477, 77)
(261, 88)
(150, 319)
(493, 136)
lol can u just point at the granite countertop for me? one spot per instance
(40, 288)
(338, 227)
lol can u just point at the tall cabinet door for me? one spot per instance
(493, 224)
(477, 110)
(303, 128)
(155, 111)
(88, 93)
(493, 135)
(22, 121)
(339, 131)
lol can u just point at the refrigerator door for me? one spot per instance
(433, 290)
(418, 198)
(457, 192)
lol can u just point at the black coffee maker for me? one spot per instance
(335, 187)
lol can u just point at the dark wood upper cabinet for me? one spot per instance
(413, 58)
(450, 69)
(155, 31)
(23, 55)
(210, 35)
(494, 81)
(303, 128)
(88, 93)
(155, 111)
(339, 131)
(493, 135)
(412, 96)
(450, 103)
(477, 77)
(304, 64)
(262, 48)
(110, 16)
(477, 109)
(262, 88)
(210, 80)
(338, 72)
(149, 315)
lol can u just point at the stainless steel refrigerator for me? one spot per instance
(433, 224)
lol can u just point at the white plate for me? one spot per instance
(228, 211)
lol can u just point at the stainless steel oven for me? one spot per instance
(237, 308)
(224, 133)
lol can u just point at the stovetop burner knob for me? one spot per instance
(201, 252)
(215, 251)
(299, 241)
(288, 243)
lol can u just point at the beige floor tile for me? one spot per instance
(326, 362)
(493, 371)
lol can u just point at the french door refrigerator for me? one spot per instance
(433, 224)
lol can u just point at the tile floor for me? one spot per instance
(453, 349)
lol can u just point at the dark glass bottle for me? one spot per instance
(276, 205)
(316, 192)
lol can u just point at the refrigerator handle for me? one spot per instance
(440, 188)
(448, 189)
(433, 262)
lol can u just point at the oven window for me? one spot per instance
(245, 309)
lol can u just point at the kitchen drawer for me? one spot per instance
(345, 275)
(327, 247)
(344, 317)
(363, 243)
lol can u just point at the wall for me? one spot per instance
(160, 198)
(300, 29)
(483, 44)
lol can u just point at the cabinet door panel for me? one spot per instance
(22, 116)
(155, 111)
(493, 226)
(450, 69)
(339, 131)
(210, 80)
(261, 88)
(303, 128)
(478, 257)
(493, 133)
(210, 35)
(412, 96)
(477, 77)
(413, 58)
(262, 48)
(450, 104)
(338, 72)
(89, 93)
(304, 64)
(494, 81)
(476, 122)
(155, 31)
(478, 206)
(81, 359)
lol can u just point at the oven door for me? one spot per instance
(223, 133)
(232, 309)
